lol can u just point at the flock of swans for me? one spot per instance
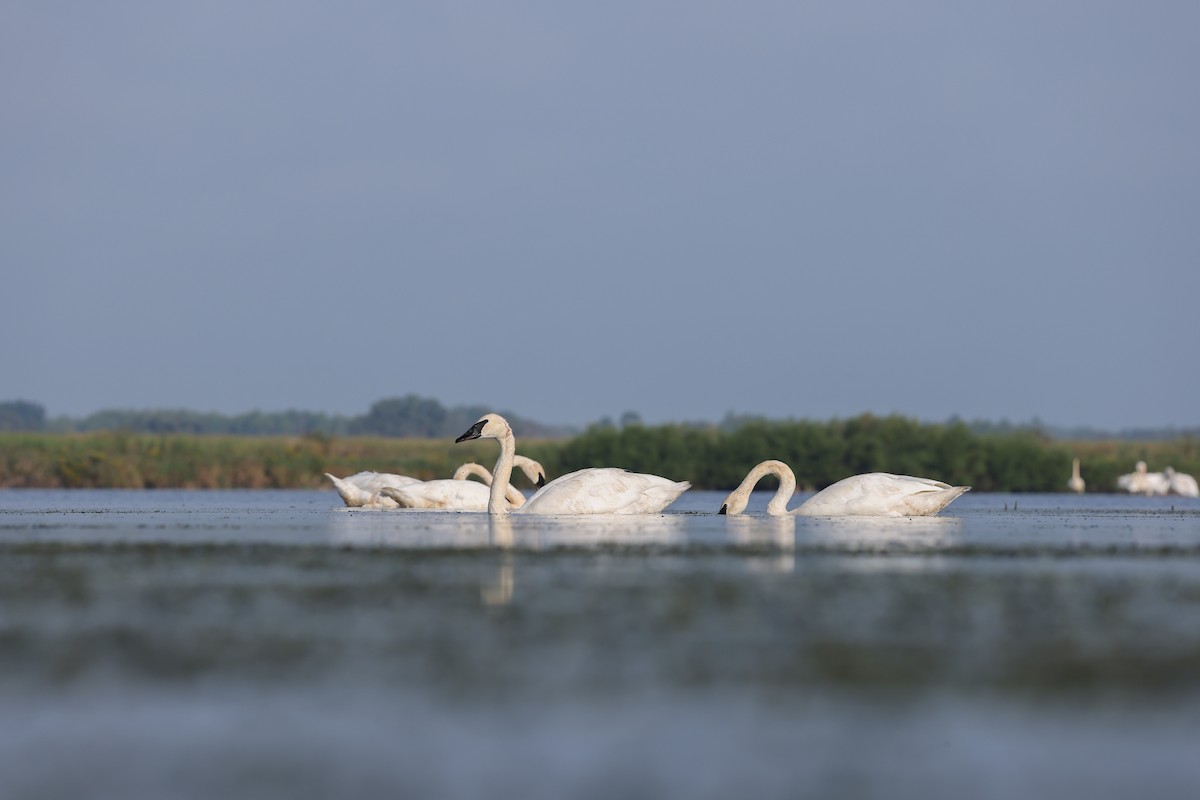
(610, 490)
(1141, 481)
(385, 490)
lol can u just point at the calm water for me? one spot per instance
(274, 644)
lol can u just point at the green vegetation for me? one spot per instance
(127, 460)
(823, 452)
(710, 457)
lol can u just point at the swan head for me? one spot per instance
(1140, 467)
(532, 469)
(489, 426)
(735, 503)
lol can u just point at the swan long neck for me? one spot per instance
(1075, 468)
(514, 496)
(787, 487)
(478, 470)
(501, 474)
(531, 468)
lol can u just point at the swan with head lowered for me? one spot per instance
(366, 489)
(461, 494)
(875, 494)
(586, 491)
(361, 490)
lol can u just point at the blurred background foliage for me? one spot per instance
(710, 456)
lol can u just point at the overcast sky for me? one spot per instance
(571, 210)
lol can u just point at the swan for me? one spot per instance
(586, 491)
(361, 490)
(365, 489)
(1075, 484)
(875, 494)
(1142, 482)
(462, 494)
(1181, 483)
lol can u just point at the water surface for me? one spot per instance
(263, 644)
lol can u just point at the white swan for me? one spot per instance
(875, 494)
(361, 490)
(1075, 483)
(1142, 482)
(1181, 483)
(461, 494)
(587, 491)
(365, 489)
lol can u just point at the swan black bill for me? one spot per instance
(724, 510)
(473, 433)
(541, 481)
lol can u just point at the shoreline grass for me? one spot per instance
(707, 458)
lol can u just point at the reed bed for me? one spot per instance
(820, 453)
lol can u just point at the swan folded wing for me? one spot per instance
(457, 494)
(605, 490)
(902, 485)
(882, 494)
(374, 481)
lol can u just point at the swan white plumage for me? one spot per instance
(1075, 483)
(586, 491)
(1140, 481)
(875, 494)
(1181, 483)
(461, 494)
(361, 490)
(366, 489)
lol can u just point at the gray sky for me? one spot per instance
(574, 209)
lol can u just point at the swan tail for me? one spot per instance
(657, 498)
(929, 503)
(351, 495)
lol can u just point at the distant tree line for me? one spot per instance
(410, 417)
(22, 415)
(413, 416)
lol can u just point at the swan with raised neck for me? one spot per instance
(367, 489)
(1075, 484)
(586, 491)
(460, 494)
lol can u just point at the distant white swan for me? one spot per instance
(1142, 482)
(587, 491)
(1075, 484)
(461, 494)
(365, 489)
(1181, 483)
(875, 494)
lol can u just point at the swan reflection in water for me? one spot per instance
(775, 536)
(436, 530)
(474, 531)
(409, 530)
(499, 591)
(878, 534)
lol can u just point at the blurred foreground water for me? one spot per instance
(274, 644)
